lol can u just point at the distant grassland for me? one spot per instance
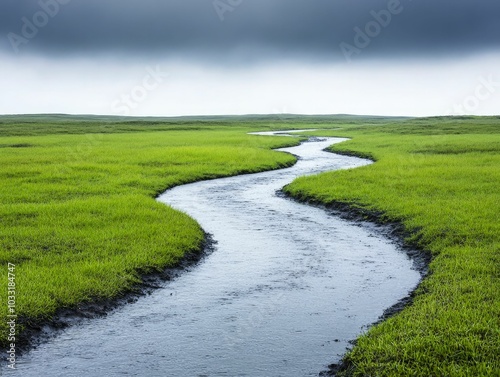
(441, 179)
(78, 216)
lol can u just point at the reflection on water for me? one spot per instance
(285, 290)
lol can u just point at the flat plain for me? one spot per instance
(80, 223)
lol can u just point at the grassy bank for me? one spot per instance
(78, 217)
(440, 178)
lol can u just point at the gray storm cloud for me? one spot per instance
(251, 29)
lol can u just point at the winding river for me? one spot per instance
(287, 287)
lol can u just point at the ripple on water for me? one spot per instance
(285, 290)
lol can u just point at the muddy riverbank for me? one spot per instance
(286, 289)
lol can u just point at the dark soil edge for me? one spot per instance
(393, 230)
(38, 331)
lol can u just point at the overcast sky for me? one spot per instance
(194, 57)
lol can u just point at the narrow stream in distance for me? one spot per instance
(286, 288)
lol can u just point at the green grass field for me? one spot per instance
(79, 220)
(78, 213)
(441, 179)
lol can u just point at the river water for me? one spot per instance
(286, 288)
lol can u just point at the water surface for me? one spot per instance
(286, 288)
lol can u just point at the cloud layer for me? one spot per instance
(386, 57)
(250, 29)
